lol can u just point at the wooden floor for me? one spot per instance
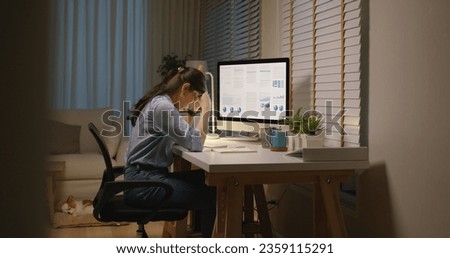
(154, 230)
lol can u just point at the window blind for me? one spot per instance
(323, 40)
(230, 30)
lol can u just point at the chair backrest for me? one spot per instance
(95, 132)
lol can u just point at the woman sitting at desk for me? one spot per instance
(157, 126)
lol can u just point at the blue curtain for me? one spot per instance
(100, 53)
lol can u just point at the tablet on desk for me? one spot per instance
(331, 154)
(295, 153)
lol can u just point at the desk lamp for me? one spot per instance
(203, 67)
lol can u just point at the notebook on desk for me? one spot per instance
(331, 154)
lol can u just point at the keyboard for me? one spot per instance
(234, 150)
(239, 136)
(218, 144)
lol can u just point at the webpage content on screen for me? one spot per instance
(253, 91)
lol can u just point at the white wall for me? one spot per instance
(406, 86)
(408, 91)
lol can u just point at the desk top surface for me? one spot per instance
(261, 160)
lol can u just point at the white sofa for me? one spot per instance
(83, 167)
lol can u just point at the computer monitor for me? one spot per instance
(253, 91)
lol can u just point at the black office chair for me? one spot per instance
(109, 203)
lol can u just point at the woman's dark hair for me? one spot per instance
(171, 83)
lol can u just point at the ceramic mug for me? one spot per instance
(278, 139)
(273, 138)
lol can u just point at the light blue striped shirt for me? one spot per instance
(157, 129)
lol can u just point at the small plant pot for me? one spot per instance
(312, 141)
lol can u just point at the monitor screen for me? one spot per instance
(253, 90)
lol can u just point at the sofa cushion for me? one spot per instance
(63, 138)
(100, 117)
(81, 166)
(112, 143)
(120, 157)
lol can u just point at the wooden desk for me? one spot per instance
(229, 172)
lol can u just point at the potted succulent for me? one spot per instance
(309, 126)
(295, 122)
(171, 62)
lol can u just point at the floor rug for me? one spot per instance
(66, 220)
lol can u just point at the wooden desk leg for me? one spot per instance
(250, 226)
(229, 209)
(175, 228)
(320, 222)
(219, 226)
(263, 212)
(234, 202)
(249, 214)
(329, 189)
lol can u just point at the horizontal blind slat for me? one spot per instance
(352, 94)
(329, 86)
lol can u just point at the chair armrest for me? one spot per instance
(110, 177)
(118, 171)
